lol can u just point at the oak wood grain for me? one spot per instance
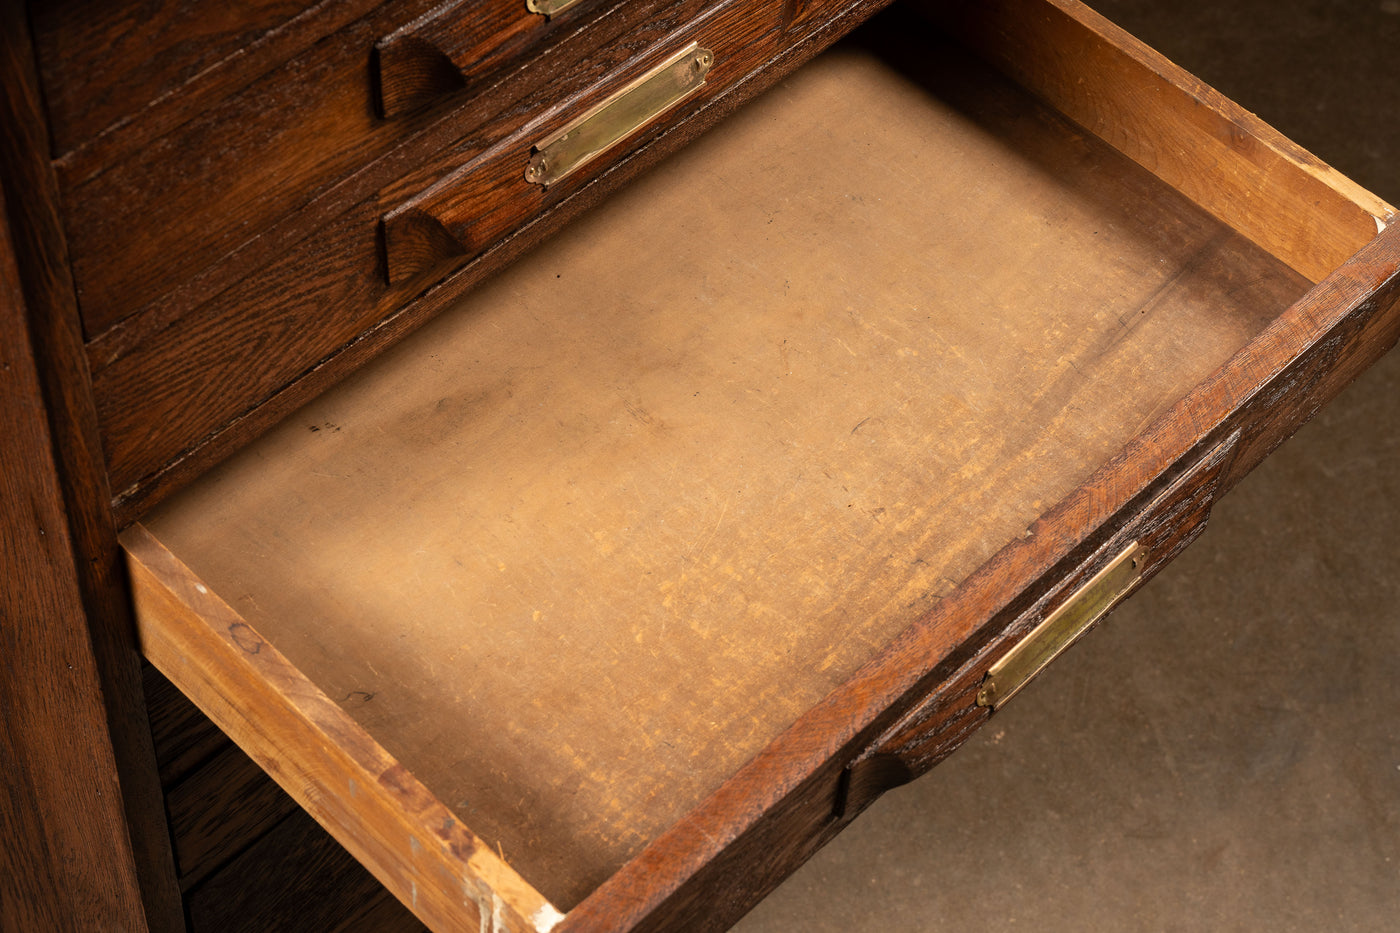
(82, 604)
(1310, 353)
(184, 738)
(67, 856)
(229, 171)
(219, 810)
(934, 728)
(174, 401)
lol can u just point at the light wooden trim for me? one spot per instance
(373, 806)
(1236, 166)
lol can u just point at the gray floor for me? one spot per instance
(1224, 754)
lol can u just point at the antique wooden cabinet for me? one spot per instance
(582, 453)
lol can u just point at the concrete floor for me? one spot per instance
(1224, 754)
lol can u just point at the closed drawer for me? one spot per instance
(603, 599)
(160, 229)
(104, 63)
(173, 389)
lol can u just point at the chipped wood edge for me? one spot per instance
(1226, 159)
(372, 805)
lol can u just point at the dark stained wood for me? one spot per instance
(933, 729)
(177, 404)
(434, 142)
(101, 61)
(462, 43)
(219, 810)
(297, 880)
(86, 604)
(108, 129)
(144, 224)
(558, 402)
(475, 206)
(66, 856)
(184, 737)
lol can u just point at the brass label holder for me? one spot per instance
(549, 8)
(622, 114)
(1062, 627)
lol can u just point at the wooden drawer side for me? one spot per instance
(378, 811)
(1224, 158)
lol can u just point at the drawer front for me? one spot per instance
(198, 195)
(237, 349)
(472, 207)
(937, 725)
(102, 62)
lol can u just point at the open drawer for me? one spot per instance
(604, 599)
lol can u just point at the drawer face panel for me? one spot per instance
(103, 60)
(708, 517)
(203, 192)
(318, 295)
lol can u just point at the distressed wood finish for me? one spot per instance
(376, 809)
(228, 172)
(933, 729)
(781, 807)
(66, 854)
(895, 482)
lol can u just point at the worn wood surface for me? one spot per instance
(177, 401)
(245, 169)
(934, 728)
(772, 814)
(297, 879)
(712, 495)
(1224, 158)
(375, 807)
(85, 593)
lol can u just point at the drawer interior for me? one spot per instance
(575, 551)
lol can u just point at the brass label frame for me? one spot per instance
(1063, 627)
(548, 8)
(558, 156)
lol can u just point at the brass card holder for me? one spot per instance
(549, 7)
(1062, 627)
(581, 141)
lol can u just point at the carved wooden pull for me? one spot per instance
(458, 44)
